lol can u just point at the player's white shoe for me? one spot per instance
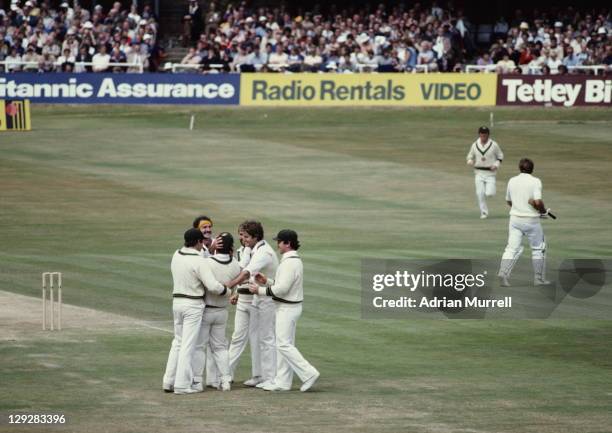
(181, 391)
(484, 215)
(541, 282)
(274, 387)
(308, 383)
(254, 381)
(225, 386)
(197, 386)
(262, 384)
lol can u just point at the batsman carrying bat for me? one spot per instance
(524, 196)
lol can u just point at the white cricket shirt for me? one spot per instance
(192, 275)
(225, 268)
(288, 283)
(520, 190)
(485, 155)
(263, 259)
(243, 255)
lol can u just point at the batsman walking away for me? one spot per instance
(524, 196)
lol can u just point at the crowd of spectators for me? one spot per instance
(550, 44)
(396, 38)
(389, 39)
(63, 39)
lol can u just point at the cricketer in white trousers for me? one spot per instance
(532, 229)
(202, 353)
(485, 187)
(246, 328)
(266, 317)
(245, 331)
(212, 336)
(190, 275)
(289, 358)
(212, 333)
(486, 159)
(187, 321)
(287, 293)
(264, 260)
(524, 221)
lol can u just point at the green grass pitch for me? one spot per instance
(103, 194)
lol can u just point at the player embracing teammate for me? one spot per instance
(203, 287)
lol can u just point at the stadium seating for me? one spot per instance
(37, 38)
(34, 37)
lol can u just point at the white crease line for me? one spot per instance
(169, 331)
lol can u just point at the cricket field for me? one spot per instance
(104, 194)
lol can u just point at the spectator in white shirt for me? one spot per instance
(366, 61)
(135, 56)
(427, 56)
(556, 48)
(554, 62)
(133, 15)
(191, 58)
(71, 43)
(13, 61)
(100, 60)
(313, 60)
(578, 44)
(32, 57)
(538, 62)
(51, 47)
(506, 65)
(46, 63)
(278, 60)
(244, 58)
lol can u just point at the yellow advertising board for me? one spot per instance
(453, 89)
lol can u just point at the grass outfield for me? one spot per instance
(103, 194)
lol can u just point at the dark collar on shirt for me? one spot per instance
(186, 251)
(483, 151)
(221, 261)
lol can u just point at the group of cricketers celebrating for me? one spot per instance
(211, 273)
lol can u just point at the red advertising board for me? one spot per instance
(558, 90)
